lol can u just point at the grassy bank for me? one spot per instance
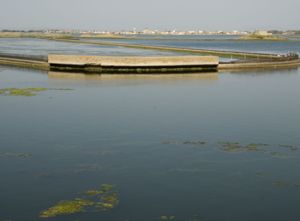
(263, 37)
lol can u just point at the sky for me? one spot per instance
(115, 15)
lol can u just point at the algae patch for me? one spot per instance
(167, 218)
(289, 147)
(27, 92)
(237, 147)
(14, 154)
(186, 142)
(103, 199)
(284, 184)
(261, 174)
(67, 207)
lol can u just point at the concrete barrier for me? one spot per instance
(117, 64)
(140, 65)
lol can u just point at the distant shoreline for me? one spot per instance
(251, 60)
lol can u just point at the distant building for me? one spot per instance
(262, 33)
(148, 32)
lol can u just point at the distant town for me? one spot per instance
(148, 31)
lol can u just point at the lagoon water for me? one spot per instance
(42, 47)
(226, 43)
(144, 135)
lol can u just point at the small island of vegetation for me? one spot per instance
(263, 35)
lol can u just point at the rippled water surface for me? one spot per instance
(42, 47)
(167, 143)
(226, 43)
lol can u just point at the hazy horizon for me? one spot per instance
(116, 15)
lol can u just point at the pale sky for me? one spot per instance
(155, 14)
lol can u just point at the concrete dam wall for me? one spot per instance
(122, 64)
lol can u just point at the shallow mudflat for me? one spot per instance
(194, 147)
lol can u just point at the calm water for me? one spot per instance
(44, 47)
(138, 132)
(227, 43)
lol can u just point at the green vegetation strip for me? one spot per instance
(103, 199)
(275, 151)
(26, 92)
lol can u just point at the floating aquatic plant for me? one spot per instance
(167, 217)
(103, 199)
(194, 142)
(261, 174)
(279, 155)
(231, 146)
(109, 201)
(255, 146)
(290, 147)
(26, 92)
(67, 207)
(196, 218)
(282, 184)
(237, 147)
(94, 192)
(187, 142)
(13, 154)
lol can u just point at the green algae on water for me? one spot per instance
(27, 92)
(261, 174)
(67, 207)
(16, 155)
(284, 184)
(237, 147)
(167, 218)
(289, 147)
(108, 201)
(280, 155)
(108, 197)
(186, 142)
(231, 146)
(103, 199)
(255, 146)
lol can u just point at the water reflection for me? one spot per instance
(262, 71)
(139, 77)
